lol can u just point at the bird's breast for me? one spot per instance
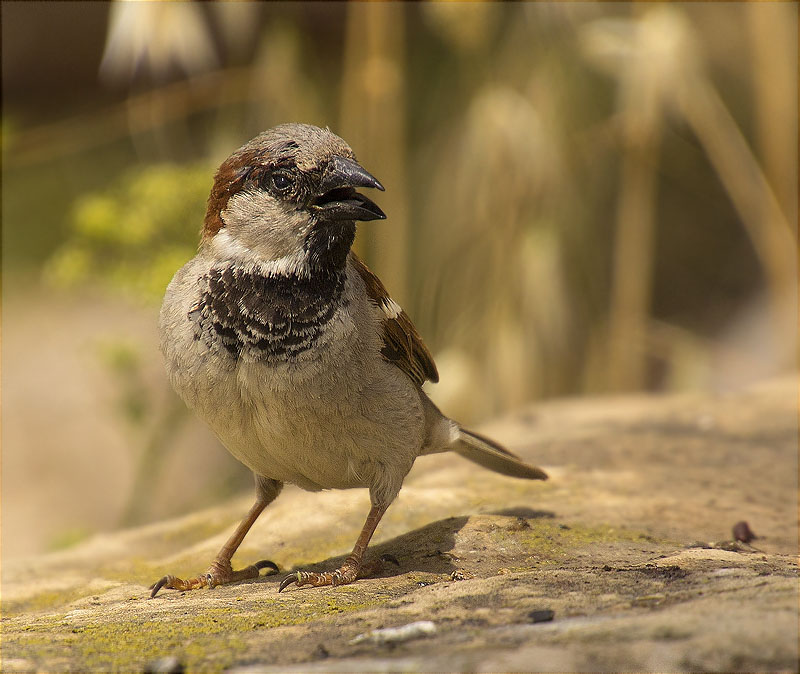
(290, 377)
(263, 318)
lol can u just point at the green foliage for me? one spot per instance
(134, 236)
(124, 362)
(68, 538)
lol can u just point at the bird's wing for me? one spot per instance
(402, 344)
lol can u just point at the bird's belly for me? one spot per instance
(315, 426)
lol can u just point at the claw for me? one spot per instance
(267, 564)
(155, 587)
(176, 583)
(294, 578)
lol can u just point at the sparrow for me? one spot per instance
(282, 340)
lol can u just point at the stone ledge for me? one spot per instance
(609, 544)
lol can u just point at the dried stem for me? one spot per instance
(373, 121)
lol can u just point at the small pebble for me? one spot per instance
(393, 635)
(518, 524)
(742, 532)
(541, 615)
(168, 665)
(460, 574)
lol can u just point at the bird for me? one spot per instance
(290, 348)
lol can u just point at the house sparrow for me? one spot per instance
(281, 339)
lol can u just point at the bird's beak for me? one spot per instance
(337, 198)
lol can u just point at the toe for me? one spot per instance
(169, 582)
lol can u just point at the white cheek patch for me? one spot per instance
(269, 228)
(226, 247)
(391, 308)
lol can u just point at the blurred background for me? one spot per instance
(582, 198)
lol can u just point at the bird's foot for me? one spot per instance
(347, 573)
(219, 573)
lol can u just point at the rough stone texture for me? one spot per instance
(628, 544)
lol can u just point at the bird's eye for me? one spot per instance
(281, 181)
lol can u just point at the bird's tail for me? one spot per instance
(489, 454)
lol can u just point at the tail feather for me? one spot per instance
(489, 454)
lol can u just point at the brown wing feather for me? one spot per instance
(402, 344)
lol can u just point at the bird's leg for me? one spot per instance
(221, 572)
(353, 567)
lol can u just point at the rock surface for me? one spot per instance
(629, 545)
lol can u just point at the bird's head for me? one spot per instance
(288, 197)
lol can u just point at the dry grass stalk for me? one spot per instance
(373, 121)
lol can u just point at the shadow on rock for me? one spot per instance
(525, 513)
(424, 550)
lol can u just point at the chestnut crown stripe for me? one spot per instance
(227, 182)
